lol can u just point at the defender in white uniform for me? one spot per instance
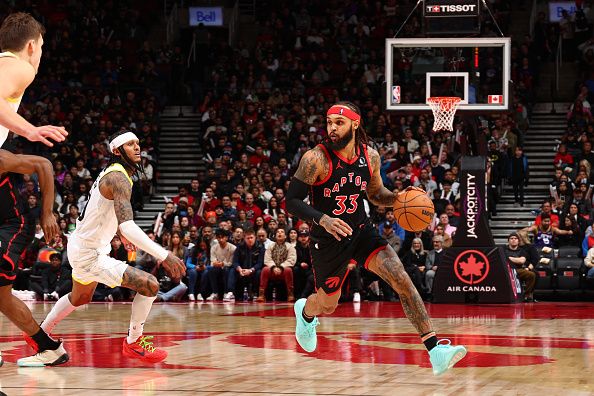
(109, 210)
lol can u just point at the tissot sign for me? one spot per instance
(451, 8)
(474, 269)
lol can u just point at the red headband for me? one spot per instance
(344, 111)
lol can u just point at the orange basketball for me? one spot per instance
(413, 210)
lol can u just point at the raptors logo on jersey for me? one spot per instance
(341, 192)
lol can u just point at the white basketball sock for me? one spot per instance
(62, 309)
(141, 306)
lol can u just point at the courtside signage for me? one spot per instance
(208, 16)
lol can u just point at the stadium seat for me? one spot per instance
(545, 276)
(569, 251)
(570, 273)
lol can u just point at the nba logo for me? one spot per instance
(396, 94)
(495, 99)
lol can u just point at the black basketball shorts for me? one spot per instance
(330, 257)
(15, 236)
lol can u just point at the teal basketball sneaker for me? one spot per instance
(444, 356)
(305, 333)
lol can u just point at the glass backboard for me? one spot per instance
(475, 69)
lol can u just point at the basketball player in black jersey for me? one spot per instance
(16, 232)
(336, 176)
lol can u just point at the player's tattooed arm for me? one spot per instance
(118, 187)
(313, 166)
(376, 192)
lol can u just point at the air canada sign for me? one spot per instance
(471, 268)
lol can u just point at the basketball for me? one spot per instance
(413, 210)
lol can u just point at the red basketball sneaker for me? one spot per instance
(144, 350)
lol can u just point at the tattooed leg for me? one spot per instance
(387, 265)
(140, 281)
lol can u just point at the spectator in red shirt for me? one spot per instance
(251, 209)
(183, 192)
(563, 158)
(209, 200)
(258, 157)
(279, 194)
(547, 208)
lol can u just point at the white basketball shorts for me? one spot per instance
(94, 265)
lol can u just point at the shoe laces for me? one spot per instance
(311, 327)
(145, 343)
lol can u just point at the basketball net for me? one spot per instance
(444, 110)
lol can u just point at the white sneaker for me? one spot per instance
(45, 358)
(356, 297)
(1, 361)
(191, 297)
(212, 297)
(55, 295)
(199, 297)
(229, 297)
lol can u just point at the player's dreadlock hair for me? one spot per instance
(360, 133)
(123, 158)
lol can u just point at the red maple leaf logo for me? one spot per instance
(472, 266)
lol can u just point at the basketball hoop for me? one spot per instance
(444, 110)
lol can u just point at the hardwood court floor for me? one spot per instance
(363, 349)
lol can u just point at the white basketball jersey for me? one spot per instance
(97, 224)
(13, 102)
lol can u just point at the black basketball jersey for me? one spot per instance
(12, 207)
(342, 191)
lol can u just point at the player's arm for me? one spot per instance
(376, 192)
(308, 172)
(26, 165)
(15, 78)
(117, 187)
(313, 166)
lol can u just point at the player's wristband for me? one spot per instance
(135, 235)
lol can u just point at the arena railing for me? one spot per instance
(172, 24)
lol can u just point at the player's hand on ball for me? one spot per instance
(50, 227)
(174, 267)
(336, 227)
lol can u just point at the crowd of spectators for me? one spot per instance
(564, 220)
(262, 106)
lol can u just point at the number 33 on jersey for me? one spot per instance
(341, 192)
